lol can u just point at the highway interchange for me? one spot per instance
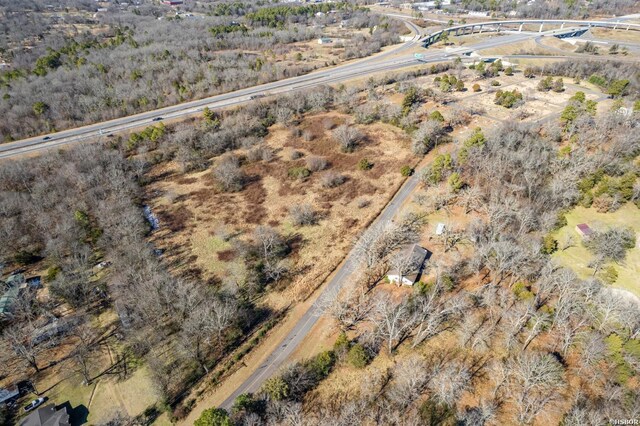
(393, 59)
(396, 58)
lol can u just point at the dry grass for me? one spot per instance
(191, 209)
(528, 47)
(617, 35)
(539, 104)
(105, 396)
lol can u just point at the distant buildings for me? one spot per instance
(173, 2)
(12, 287)
(9, 396)
(426, 5)
(324, 40)
(478, 13)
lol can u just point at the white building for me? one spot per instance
(324, 40)
(427, 5)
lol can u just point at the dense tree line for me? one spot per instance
(617, 78)
(78, 214)
(73, 209)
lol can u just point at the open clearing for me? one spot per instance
(578, 257)
(528, 47)
(196, 211)
(106, 395)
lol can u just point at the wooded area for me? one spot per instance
(495, 332)
(130, 60)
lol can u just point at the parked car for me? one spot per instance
(34, 404)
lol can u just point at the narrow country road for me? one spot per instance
(291, 341)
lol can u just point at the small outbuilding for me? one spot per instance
(584, 230)
(440, 228)
(410, 267)
(324, 40)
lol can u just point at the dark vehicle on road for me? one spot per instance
(46, 138)
(157, 119)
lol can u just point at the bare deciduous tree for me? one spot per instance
(393, 320)
(303, 215)
(228, 173)
(270, 243)
(535, 381)
(84, 348)
(205, 325)
(19, 338)
(350, 308)
(331, 179)
(347, 137)
(427, 136)
(450, 381)
(315, 163)
(410, 379)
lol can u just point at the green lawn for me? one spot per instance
(578, 257)
(106, 395)
(206, 247)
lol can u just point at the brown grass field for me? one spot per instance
(193, 209)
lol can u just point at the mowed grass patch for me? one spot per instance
(617, 35)
(528, 47)
(131, 396)
(105, 396)
(214, 254)
(578, 257)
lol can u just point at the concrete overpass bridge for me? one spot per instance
(575, 27)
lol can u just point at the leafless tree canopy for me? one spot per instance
(347, 137)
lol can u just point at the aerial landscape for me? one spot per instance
(275, 212)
